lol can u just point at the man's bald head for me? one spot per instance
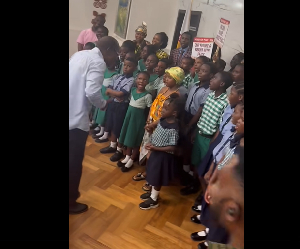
(109, 48)
(107, 43)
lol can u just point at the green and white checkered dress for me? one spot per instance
(212, 113)
(188, 81)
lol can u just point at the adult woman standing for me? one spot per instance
(89, 35)
(160, 40)
(140, 42)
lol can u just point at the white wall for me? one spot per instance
(212, 11)
(159, 15)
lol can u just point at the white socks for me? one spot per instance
(101, 131)
(119, 149)
(199, 207)
(125, 160)
(129, 163)
(105, 136)
(113, 144)
(97, 128)
(204, 232)
(187, 169)
(154, 194)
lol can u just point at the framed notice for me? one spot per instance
(222, 31)
(202, 46)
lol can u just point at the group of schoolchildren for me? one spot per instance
(173, 114)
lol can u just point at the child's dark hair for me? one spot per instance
(189, 34)
(133, 60)
(129, 45)
(166, 61)
(90, 45)
(131, 54)
(177, 102)
(239, 65)
(239, 87)
(222, 63)
(157, 60)
(145, 73)
(191, 60)
(226, 77)
(204, 59)
(105, 30)
(212, 66)
(164, 39)
(150, 49)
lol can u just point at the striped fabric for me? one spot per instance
(212, 113)
(161, 54)
(188, 81)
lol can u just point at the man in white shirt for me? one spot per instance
(86, 74)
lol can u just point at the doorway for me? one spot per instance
(194, 25)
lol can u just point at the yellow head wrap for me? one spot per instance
(177, 74)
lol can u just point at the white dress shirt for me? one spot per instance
(86, 75)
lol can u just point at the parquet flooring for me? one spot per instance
(114, 220)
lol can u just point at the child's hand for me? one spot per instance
(108, 91)
(149, 128)
(148, 146)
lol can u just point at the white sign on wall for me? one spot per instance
(202, 47)
(222, 31)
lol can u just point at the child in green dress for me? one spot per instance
(151, 64)
(99, 116)
(135, 120)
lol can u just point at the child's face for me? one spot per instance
(197, 65)
(234, 97)
(204, 73)
(216, 82)
(99, 21)
(123, 52)
(168, 80)
(160, 69)
(144, 53)
(100, 33)
(167, 110)
(141, 81)
(240, 124)
(129, 55)
(186, 65)
(238, 74)
(139, 36)
(236, 115)
(151, 62)
(156, 40)
(129, 67)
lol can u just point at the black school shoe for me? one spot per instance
(145, 196)
(148, 204)
(196, 237)
(125, 169)
(186, 179)
(120, 164)
(202, 246)
(98, 140)
(195, 219)
(78, 208)
(117, 156)
(107, 150)
(195, 209)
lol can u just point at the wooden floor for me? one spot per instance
(114, 219)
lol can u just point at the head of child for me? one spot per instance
(221, 81)
(237, 114)
(130, 65)
(141, 33)
(98, 21)
(172, 107)
(130, 55)
(127, 46)
(160, 40)
(239, 128)
(173, 77)
(142, 80)
(199, 61)
(238, 73)
(151, 62)
(238, 58)
(162, 65)
(185, 39)
(220, 64)
(236, 94)
(89, 46)
(101, 32)
(146, 51)
(207, 71)
(186, 64)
